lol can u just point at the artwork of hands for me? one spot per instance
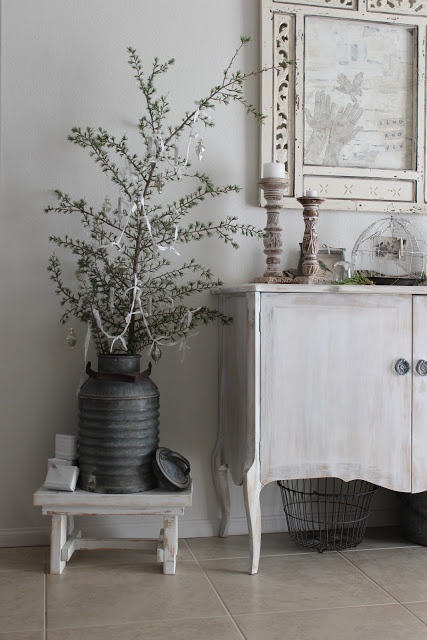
(332, 129)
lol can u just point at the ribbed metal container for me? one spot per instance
(118, 429)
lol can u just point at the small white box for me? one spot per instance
(54, 462)
(62, 477)
(65, 446)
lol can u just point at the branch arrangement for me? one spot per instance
(131, 288)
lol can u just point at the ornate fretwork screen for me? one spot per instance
(348, 116)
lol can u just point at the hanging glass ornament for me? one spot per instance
(200, 149)
(207, 115)
(155, 352)
(175, 154)
(71, 338)
(120, 207)
(159, 183)
(106, 205)
(151, 149)
(112, 298)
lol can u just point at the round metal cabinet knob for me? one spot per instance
(402, 367)
(422, 367)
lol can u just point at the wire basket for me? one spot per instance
(326, 514)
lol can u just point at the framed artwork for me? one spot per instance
(327, 258)
(348, 116)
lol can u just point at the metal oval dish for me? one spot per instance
(171, 469)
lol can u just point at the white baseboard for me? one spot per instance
(149, 528)
(25, 537)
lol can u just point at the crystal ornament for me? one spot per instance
(151, 148)
(159, 183)
(106, 205)
(200, 149)
(71, 338)
(155, 352)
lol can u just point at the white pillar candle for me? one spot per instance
(273, 170)
(311, 193)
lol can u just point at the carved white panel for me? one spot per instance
(344, 4)
(362, 188)
(283, 87)
(414, 7)
(351, 105)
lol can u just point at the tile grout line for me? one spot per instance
(412, 613)
(316, 609)
(369, 578)
(45, 604)
(382, 588)
(234, 623)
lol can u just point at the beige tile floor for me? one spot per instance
(375, 592)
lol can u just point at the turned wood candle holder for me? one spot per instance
(310, 245)
(273, 192)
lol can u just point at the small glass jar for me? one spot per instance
(342, 270)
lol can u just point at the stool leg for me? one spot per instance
(170, 544)
(58, 537)
(70, 524)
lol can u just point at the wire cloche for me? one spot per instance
(390, 248)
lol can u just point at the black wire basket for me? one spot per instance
(326, 514)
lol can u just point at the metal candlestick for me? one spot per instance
(310, 245)
(273, 192)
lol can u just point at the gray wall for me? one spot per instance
(65, 63)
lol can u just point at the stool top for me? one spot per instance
(156, 498)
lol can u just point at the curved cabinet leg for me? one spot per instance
(220, 476)
(251, 492)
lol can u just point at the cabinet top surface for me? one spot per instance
(321, 288)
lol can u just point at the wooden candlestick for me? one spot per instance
(310, 245)
(273, 192)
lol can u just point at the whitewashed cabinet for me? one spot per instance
(309, 388)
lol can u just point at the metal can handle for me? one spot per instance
(165, 455)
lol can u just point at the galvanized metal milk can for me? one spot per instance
(118, 427)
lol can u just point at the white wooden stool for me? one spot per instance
(62, 506)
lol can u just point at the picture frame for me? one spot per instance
(330, 116)
(327, 258)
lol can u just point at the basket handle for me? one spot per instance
(165, 455)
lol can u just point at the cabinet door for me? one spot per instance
(419, 418)
(332, 403)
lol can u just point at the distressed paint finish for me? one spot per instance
(58, 537)
(337, 408)
(308, 389)
(348, 181)
(273, 189)
(237, 445)
(65, 539)
(419, 430)
(409, 7)
(170, 544)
